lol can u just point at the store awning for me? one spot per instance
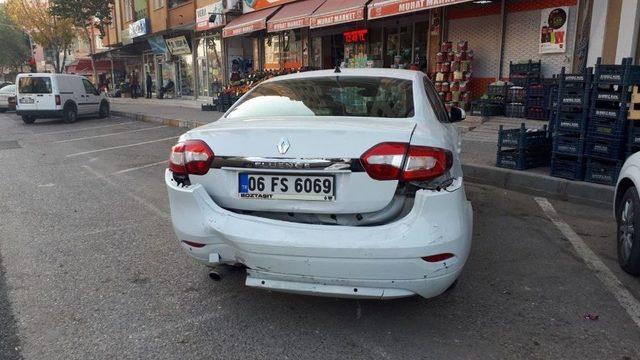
(334, 12)
(382, 8)
(249, 22)
(293, 16)
(83, 66)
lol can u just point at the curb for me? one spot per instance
(520, 181)
(190, 124)
(541, 185)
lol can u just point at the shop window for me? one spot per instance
(420, 45)
(292, 49)
(272, 52)
(209, 70)
(375, 44)
(316, 53)
(398, 54)
(176, 3)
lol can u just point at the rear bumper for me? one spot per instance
(40, 113)
(368, 262)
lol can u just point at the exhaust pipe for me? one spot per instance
(215, 275)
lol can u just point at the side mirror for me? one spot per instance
(457, 114)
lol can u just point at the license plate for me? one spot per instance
(26, 101)
(286, 187)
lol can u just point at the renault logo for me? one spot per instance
(283, 145)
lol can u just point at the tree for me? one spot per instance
(49, 31)
(87, 16)
(14, 44)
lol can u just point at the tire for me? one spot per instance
(70, 114)
(104, 110)
(28, 119)
(628, 220)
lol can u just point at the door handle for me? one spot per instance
(39, 95)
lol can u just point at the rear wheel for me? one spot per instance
(28, 119)
(628, 238)
(70, 114)
(104, 110)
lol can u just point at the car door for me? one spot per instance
(90, 98)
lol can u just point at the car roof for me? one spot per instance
(49, 75)
(374, 72)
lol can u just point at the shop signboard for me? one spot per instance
(178, 45)
(244, 28)
(553, 30)
(337, 17)
(383, 8)
(138, 28)
(253, 5)
(157, 44)
(203, 14)
(288, 24)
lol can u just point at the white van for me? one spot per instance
(41, 95)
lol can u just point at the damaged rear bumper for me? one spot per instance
(382, 261)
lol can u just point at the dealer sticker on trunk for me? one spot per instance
(286, 187)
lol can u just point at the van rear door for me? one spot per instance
(35, 93)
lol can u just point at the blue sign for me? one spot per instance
(157, 44)
(139, 28)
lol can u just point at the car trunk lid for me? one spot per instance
(299, 147)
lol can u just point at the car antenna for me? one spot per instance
(337, 71)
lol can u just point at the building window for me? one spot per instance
(128, 10)
(176, 3)
(158, 4)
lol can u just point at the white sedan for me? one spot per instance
(7, 98)
(337, 183)
(627, 213)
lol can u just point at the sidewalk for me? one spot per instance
(479, 139)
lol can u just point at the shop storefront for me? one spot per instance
(178, 68)
(209, 64)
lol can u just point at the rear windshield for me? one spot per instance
(329, 96)
(34, 85)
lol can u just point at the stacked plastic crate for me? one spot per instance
(570, 125)
(523, 148)
(552, 103)
(538, 100)
(525, 73)
(607, 132)
(516, 98)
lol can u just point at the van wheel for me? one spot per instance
(28, 119)
(70, 114)
(104, 110)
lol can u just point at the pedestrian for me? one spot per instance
(135, 85)
(149, 84)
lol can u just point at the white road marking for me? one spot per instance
(624, 297)
(47, 185)
(139, 167)
(110, 134)
(83, 129)
(161, 213)
(121, 146)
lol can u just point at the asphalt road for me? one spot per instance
(90, 269)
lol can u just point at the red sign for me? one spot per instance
(355, 36)
(244, 28)
(337, 17)
(287, 24)
(386, 8)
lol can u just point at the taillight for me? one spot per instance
(404, 162)
(190, 157)
(58, 102)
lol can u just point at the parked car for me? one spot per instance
(5, 83)
(7, 98)
(58, 96)
(344, 184)
(627, 213)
